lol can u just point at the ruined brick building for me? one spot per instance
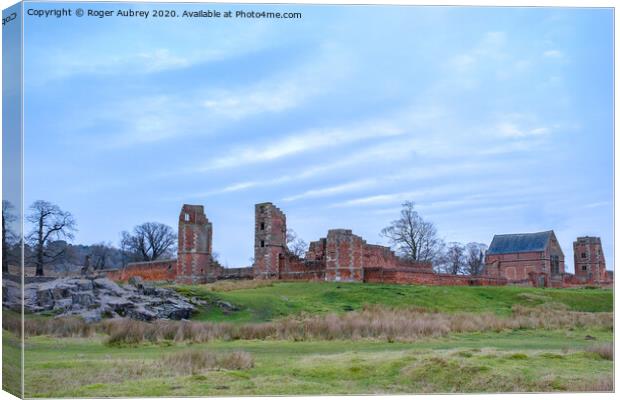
(342, 256)
(525, 258)
(590, 261)
(194, 264)
(537, 259)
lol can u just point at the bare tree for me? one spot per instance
(295, 244)
(100, 255)
(8, 236)
(149, 241)
(412, 236)
(474, 263)
(50, 225)
(455, 258)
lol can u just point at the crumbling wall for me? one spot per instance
(589, 260)
(269, 241)
(379, 256)
(194, 251)
(295, 269)
(344, 256)
(418, 277)
(236, 273)
(317, 250)
(159, 270)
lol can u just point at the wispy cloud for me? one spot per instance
(490, 46)
(597, 204)
(553, 53)
(303, 142)
(243, 103)
(206, 110)
(512, 130)
(179, 50)
(427, 193)
(332, 190)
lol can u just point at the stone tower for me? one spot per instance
(269, 241)
(589, 259)
(194, 264)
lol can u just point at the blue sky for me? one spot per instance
(11, 114)
(493, 120)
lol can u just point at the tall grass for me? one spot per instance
(60, 326)
(191, 362)
(605, 350)
(377, 322)
(604, 383)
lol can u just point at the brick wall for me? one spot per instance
(589, 259)
(236, 273)
(516, 266)
(411, 276)
(344, 256)
(269, 240)
(295, 268)
(535, 268)
(194, 250)
(316, 250)
(159, 270)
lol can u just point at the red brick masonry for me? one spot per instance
(342, 256)
(160, 270)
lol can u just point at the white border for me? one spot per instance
(487, 3)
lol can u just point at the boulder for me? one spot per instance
(94, 298)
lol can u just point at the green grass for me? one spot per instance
(11, 359)
(490, 362)
(291, 298)
(11, 365)
(506, 361)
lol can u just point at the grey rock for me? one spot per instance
(94, 298)
(226, 306)
(108, 285)
(85, 284)
(135, 281)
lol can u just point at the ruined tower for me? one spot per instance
(589, 259)
(194, 264)
(345, 256)
(269, 241)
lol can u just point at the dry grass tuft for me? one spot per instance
(60, 326)
(192, 362)
(377, 322)
(602, 384)
(605, 350)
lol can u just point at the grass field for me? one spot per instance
(504, 360)
(491, 362)
(281, 299)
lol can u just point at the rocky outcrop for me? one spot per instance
(94, 298)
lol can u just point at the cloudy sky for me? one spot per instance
(493, 120)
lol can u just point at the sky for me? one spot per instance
(492, 120)
(11, 114)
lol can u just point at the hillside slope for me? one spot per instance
(264, 301)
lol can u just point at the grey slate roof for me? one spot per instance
(520, 242)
